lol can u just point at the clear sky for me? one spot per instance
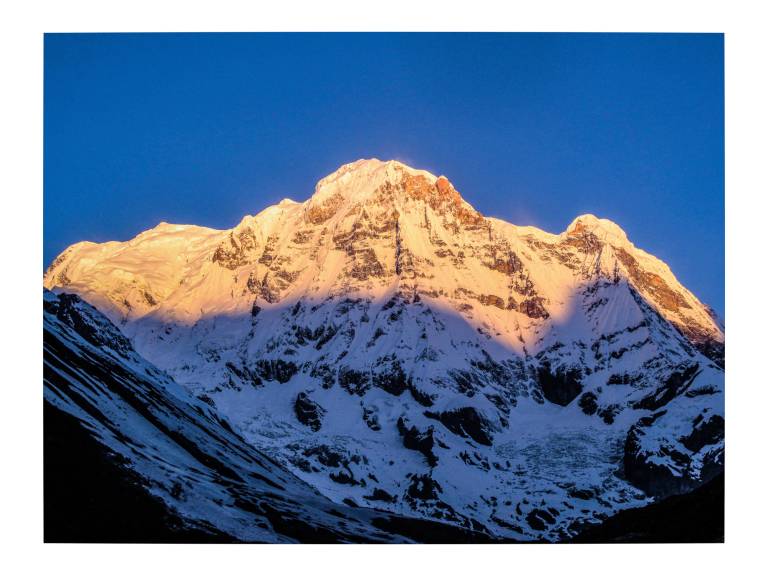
(532, 128)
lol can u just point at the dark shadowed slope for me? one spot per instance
(91, 496)
(695, 517)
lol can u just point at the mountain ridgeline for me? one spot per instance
(389, 346)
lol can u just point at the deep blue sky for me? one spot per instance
(532, 128)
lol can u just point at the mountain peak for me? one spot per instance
(355, 175)
(603, 228)
(376, 181)
(371, 165)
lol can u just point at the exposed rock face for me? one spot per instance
(73, 312)
(674, 465)
(588, 403)
(706, 432)
(354, 381)
(664, 295)
(539, 519)
(677, 383)
(389, 376)
(237, 250)
(308, 412)
(371, 418)
(533, 308)
(276, 369)
(433, 354)
(560, 386)
(420, 440)
(381, 496)
(652, 478)
(424, 488)
(467, 422)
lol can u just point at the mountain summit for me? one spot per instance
(394, 225)
(396, 349)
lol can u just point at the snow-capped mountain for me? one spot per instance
(396, 349)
